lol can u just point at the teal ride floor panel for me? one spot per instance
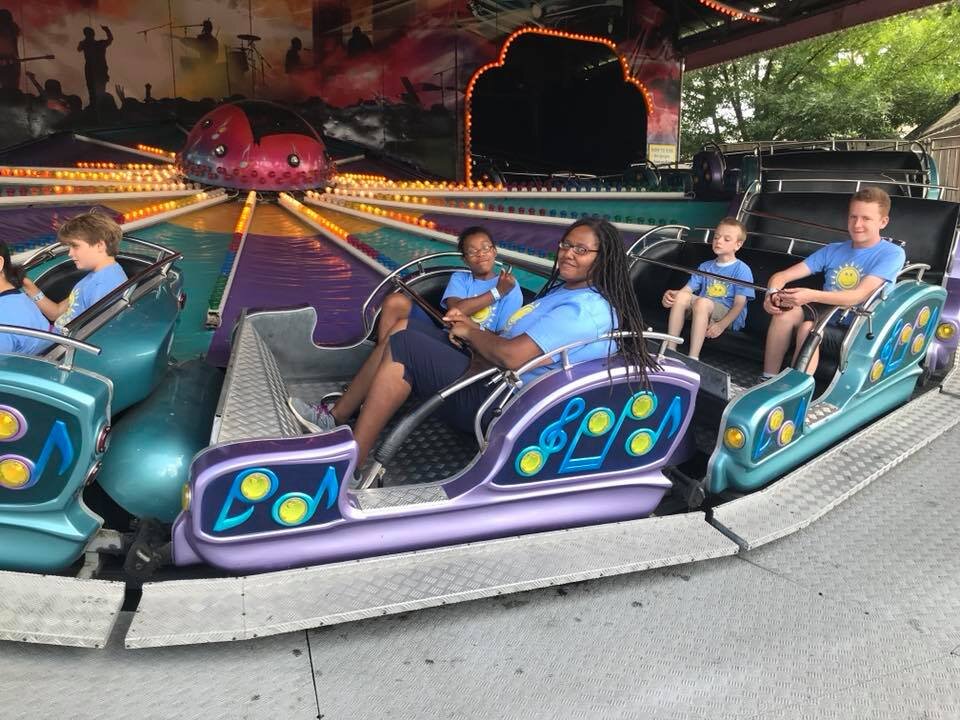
(203, 255)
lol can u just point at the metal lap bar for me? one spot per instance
(858, 183)
(643, 238)
(389, 278)
(919, 268)
(69, 345)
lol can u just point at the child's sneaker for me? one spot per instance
(315, 418)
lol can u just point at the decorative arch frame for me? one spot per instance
(501, 59)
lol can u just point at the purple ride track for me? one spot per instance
(278, 272)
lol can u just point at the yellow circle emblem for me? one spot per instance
(717, 289)
(876, 372)
(786, 434)
(640, 443)
(255, 486)
(923, 317)
(530, 462)
(599, 421)
(293, 510)
(9, 425)
(14, 474)
(905, 334)
(848, 277)
(775, 419)
(643, 405)
(918, 342)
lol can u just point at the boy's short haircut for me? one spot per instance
(733, 222)
(92, 227)
(873, 194)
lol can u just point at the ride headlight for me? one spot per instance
(734, 438)
(946, 331)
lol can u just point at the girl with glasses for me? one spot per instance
(488, 298)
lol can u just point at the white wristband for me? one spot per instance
(495, 293)
(38, 297)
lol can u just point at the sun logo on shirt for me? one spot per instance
(482, 315)
(846, 277)
(717, 289)
(519, 314)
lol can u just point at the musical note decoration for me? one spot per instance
(292, 509)
(599, 422)
(905, 336)
(20, 473)
(777, 430)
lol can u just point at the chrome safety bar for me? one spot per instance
(69, 344)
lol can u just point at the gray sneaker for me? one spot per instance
(315, 418)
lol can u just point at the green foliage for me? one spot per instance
(876, 80)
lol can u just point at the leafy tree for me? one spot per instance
(873, 81)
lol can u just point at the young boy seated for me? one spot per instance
(853, 270)
(714, 304)
(94, 241)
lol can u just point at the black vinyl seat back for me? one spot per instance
(925, 228)
(899, 172)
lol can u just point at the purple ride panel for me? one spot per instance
(278, 272)
(21, 224)
(542, 238)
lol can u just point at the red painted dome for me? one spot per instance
(254, 145)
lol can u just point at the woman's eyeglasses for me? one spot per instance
(482, 250)
(578, 250)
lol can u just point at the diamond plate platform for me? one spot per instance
(811, 491)
(58, 610)
(177, 613)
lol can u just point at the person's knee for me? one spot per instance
(396, 304)
(703, 306)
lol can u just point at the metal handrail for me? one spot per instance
(658, 228)
(919, 268)
(56, 248)
(70, 345)
(780, 181)
(389, 278)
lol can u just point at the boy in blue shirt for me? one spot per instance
(94, 241)
(852, 269)
(714, 304)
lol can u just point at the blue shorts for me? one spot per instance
(431, 363)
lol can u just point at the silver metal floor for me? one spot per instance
(854, 616)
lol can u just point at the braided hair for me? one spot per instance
(608, 276)
(12, 274)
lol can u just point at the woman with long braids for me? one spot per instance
(588, 296)
(18, 309)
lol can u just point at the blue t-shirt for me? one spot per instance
(17, 309)
(724, 292)
(89, 290)
(561, 317)
(464, 285)
(844, 266)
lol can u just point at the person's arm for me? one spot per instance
(670, 296)
(506, 353)
(777, 282)
(108, 33)
(50, 309)
(840, 298)
(468, 306)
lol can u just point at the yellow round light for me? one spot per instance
(599, 421)
(14, 474)
(255, 486)
(293, 510)
(185, 496)
(530, 462)
(775, 420)
(905, 334)
(643, 405)
(734, 437)
(786, 433)
(945, 331)
(923, 317)
(9, 425)
(876, 372)
(640, 443)
(917, 344)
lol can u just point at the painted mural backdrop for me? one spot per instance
(388, 75)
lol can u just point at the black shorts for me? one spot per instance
(833, 333)
(431, 363)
